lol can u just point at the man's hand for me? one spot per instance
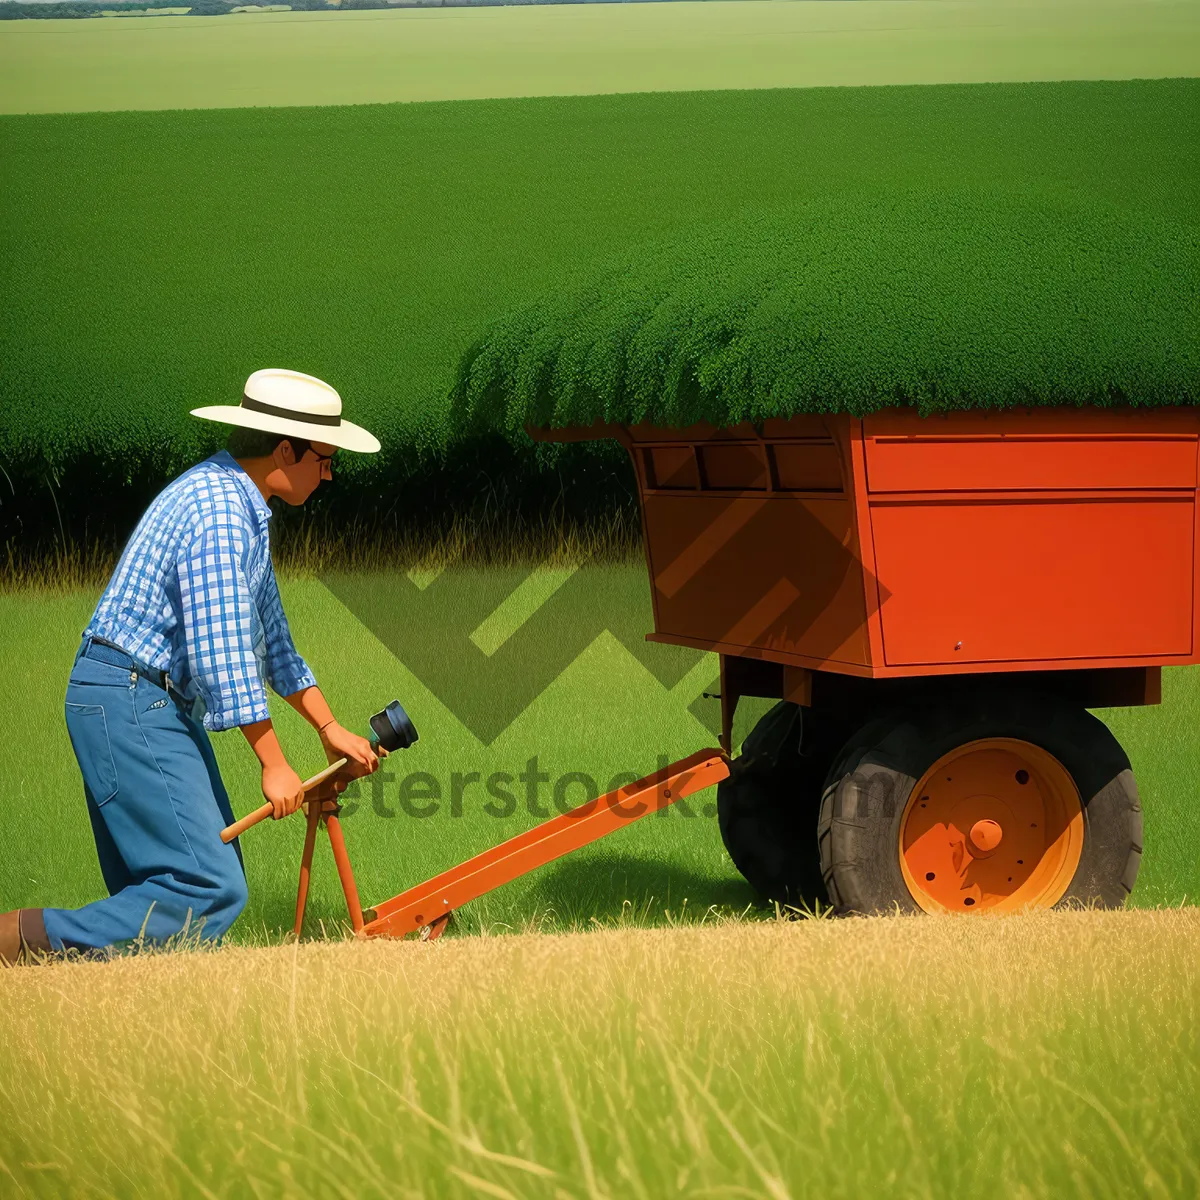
(339, 742)
(281, 787)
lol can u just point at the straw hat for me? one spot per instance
(288, 402)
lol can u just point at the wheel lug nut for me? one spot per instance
(986, 835)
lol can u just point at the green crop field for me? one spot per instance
(494, 674)
(368, 57)
(151, 260)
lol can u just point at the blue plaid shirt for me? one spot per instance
(195, 595)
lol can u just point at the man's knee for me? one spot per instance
(226, 900)
(233, 895)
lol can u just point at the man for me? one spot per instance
(181, 643)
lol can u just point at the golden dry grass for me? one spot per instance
(1051, 1054)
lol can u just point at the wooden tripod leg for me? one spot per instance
(310, 841)
(345, 873)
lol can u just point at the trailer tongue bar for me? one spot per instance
(428, 905)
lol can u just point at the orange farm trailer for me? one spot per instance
(935, 602)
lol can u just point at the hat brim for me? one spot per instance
(345, 435)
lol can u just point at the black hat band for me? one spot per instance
(288, 414)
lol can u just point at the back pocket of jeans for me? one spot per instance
(88, 731)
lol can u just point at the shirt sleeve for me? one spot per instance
(218, 626)
(287, 672)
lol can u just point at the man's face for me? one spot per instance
(294, 481)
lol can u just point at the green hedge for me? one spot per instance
(948, 299)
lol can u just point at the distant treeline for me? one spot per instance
(15, 10)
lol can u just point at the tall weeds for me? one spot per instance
(311, 548)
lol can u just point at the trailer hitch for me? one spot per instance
(426, 908)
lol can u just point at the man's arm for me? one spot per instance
(281, 786)
(286, 671)
(217, 608)
(291, 678)
(217, 614)
(338, 741)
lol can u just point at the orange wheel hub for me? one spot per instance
(995, 825)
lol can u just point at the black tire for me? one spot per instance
(768, 807)
(869, 785)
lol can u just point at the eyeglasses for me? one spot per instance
(324, 462)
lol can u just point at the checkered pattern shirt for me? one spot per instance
(195, 595)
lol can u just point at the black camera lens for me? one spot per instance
(393, 729)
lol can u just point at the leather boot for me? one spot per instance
(10, 938)
(22, 931)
